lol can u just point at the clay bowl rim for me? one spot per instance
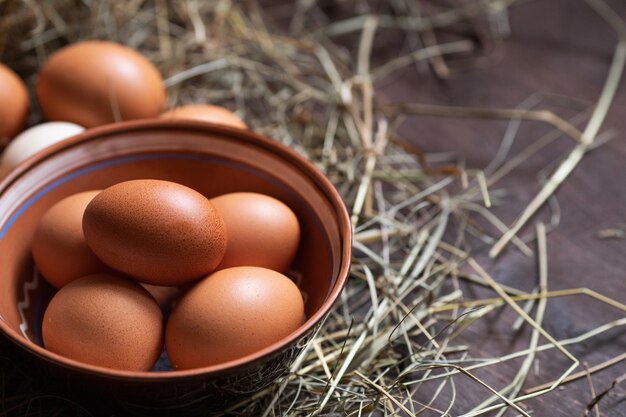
(295, 159)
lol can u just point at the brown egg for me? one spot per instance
(159, 232)
(92, 83)
(262, 231)
(230, 314)
(59, 248)
(164, 296)
(105, 320)
(13, 104)
(206, 113)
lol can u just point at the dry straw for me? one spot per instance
(391, 345)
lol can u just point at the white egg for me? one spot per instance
(33, 140)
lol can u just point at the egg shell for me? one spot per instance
(89, 82)
(207, 113)
(262, 231)
(158, 232)
(59, 247)
(104, 320)
(33, 140)
(164, 296)
(13, 104)
(230, 314)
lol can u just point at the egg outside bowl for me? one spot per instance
(213, 160)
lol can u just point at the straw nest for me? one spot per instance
(304, 74)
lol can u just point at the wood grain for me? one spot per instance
(559, 47)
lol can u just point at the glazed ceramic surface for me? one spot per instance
(213, 160)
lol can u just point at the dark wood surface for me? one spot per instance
(559, 47)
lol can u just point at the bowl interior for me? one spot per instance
(211, 160)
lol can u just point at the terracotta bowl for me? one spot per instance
(213, 160)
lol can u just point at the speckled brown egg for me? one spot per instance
(206, 113)
(95, 82)
(13, 104)
(59, 248)
(230, 314)
(104, 320)
(262, 231)
(159, 232)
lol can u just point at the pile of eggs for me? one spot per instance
(147, 264)
(219, 265)
(85, 85)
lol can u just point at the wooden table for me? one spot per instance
(559, 47)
